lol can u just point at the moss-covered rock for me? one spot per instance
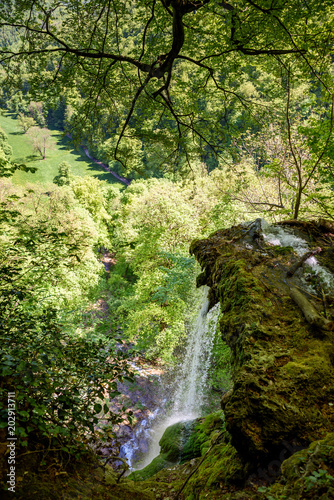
(151, 469)
(283, 367)
(221, 465)
(219, 471)
(176, 445)
(181, 442)
(204, 432)
(175, 439)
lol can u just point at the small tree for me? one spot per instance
(65, 175)
(5, 147)
(41, 140)
(26, 122)
(286, 167)
(36, 112)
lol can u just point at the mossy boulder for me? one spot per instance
(175, 439)
(204, 432)
(221, 465)
(151, 469)
(307, 474)
(219, 470)
(181, 442)
(176, 446)
(282, 366)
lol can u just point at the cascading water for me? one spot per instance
(190, 382)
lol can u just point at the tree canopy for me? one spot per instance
(170, 71)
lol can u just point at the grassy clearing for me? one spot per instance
(47, 169)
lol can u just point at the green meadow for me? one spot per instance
(62, 150)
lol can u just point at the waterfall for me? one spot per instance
(192, 377)
(190, 381)
(280, 236)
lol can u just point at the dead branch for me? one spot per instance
(311, 314)
(126, 465)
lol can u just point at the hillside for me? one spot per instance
(62, 150)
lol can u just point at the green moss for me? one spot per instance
(201, 438)
(315, 368)
(176, 446)
(278, 250)
(223, 464)
(220, 468)
(181, 442)
(158, 463)
(175, 438)
(240, 295)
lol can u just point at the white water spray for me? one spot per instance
(192, 378)
(190, 381)
(277, 235)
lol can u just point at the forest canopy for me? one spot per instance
(167, 81)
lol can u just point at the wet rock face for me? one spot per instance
(145, 398)
(283, 365)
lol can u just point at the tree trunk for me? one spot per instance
(297, 204)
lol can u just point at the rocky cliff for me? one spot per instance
(275, 286)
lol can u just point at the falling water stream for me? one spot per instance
(190, 385)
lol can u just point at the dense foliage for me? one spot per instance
(154, 223)
(52, 354)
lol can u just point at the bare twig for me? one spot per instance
(126, 465)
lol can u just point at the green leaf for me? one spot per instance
(97, 408)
